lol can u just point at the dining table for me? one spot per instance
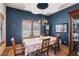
(33, 44)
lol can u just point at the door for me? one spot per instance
(74, 31)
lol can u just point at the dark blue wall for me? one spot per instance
(15, 17)
(14, 23)
(60, 18)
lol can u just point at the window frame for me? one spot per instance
(32, 28)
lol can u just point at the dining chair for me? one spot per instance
(18, 49)
(56, 45)
(44, 48)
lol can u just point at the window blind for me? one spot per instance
(36, 28)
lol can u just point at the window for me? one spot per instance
(36, 28)
(26, 28)
(30, 28)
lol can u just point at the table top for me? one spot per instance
(31, 41)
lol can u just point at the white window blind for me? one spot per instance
(26, 28)
(36, 28)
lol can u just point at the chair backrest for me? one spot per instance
(45, 43)
(13, 45)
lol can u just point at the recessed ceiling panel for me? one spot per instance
(32, 7)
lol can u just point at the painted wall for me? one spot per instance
(3, 20)
(15, 17)
(14, 23)
(60, 18)
(3, 33)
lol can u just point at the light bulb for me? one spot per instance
(12, 38)
(39, 21)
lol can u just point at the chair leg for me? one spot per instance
(36, 53)
(55, 50)
(58, 47)
(47, 53)
(41, 53)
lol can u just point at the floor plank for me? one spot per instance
(64, 51)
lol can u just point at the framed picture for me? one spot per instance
(61, 28)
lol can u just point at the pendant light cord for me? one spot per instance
(42, 16)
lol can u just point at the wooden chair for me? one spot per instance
(18, 49)
(45, 47)
(56, 45)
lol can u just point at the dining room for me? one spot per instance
(37, 29)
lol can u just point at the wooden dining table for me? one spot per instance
(33, 44)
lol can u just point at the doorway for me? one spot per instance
(74, 32)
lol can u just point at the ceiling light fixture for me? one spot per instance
(42, 6)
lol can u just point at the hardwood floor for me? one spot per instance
(64, 51)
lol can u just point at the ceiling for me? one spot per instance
(32, 7)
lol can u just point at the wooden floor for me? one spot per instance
(64, 51)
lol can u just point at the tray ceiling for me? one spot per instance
(32, 7)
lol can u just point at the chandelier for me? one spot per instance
(42, 6)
